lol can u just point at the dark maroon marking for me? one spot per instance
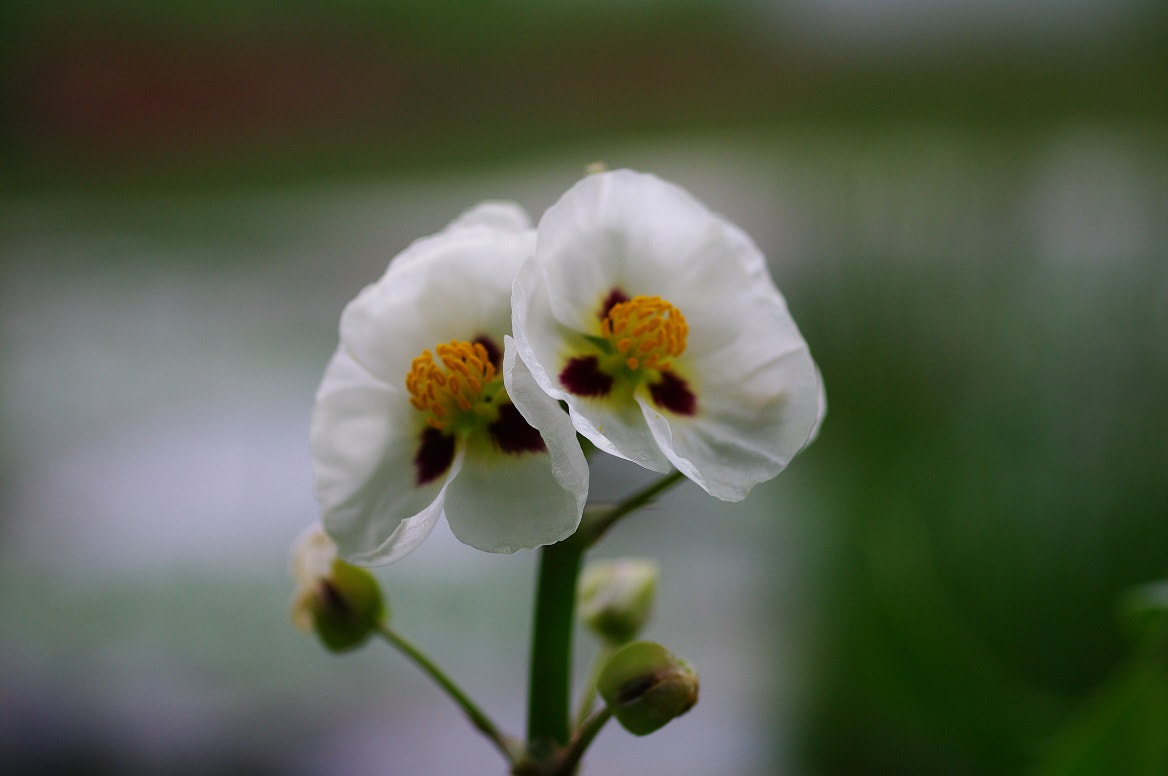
(673, 394)
(494, 354)
(513, 434)
(635, 688)
(582, 376)
(334, 598)
(435, 454)
(615, 297)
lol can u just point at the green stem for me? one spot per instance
(549, 738)
(551, 647)
(507, 745)
(570, 758)
(589, 696)
(596, 528)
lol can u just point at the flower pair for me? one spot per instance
(650, 319)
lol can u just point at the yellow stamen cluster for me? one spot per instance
(456, 384)
(647, 331)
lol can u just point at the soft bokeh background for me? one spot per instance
(965, 203)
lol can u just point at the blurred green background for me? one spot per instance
(965, 203)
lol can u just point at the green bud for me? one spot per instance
(645, 686)
(348, 607)
(616, 597)
(340, 602)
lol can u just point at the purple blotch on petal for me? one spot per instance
(494, 352)
(615, 297)
(434, 456)
(672, 393)
(513, 434)
(583, 377)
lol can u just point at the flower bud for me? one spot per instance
(341, 602)
(645, 686)
(616, 597)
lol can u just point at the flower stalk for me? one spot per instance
(582, 739)
(551, 647)
(588, 699)
(550, 736)
(508, 746)
(596, 524)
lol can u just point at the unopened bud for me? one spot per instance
(645, 686)
(341, 602)
(616, 597)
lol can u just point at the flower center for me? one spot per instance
(646, 332)
(458, 391)
(639, 338)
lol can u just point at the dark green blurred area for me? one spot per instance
(993, 472)
(162, 93)
(997, 455)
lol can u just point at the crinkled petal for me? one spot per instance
(633, 231)
(363, 443)
(759, 397)
(616, 428)
(737, 441)
(545, 414)
(454, 284)
(504, 502)
(497, 214)
(539, 339)
(410, 531)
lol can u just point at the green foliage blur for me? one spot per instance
(992, 477)
(996, 453)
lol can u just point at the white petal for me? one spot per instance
(756, 383)
(453, 285)
(618, 429)
(746, 430)
(638, 233)
(498, 214)
(411, 531)
(363, 441)
(506, 502)
(543, 413)
(614, 428)
(538, 337)
(759, 395)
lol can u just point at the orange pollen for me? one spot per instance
(452, 383)
(647, 331)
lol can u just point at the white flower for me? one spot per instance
(412, 419)
(656, 322)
